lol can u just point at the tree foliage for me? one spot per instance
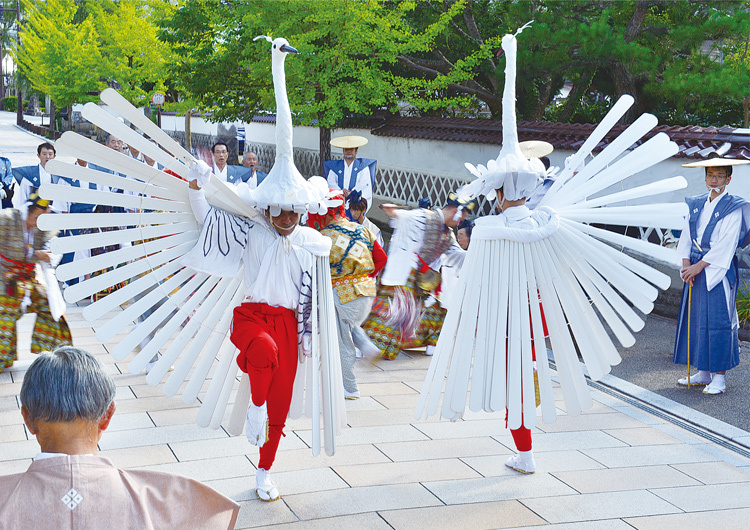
(72, 49)
(58, 56)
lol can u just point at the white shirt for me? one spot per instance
(723, 242)
(221, 174)
(252, 182)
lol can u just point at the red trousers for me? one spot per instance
(267, 339)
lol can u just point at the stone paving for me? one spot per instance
(614, 467)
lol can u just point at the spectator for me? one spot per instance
(67, 402)
(34, 176)
(6, 176)
(228, 173)
(250, 161)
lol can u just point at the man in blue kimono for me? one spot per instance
(29, 177)
(232, 174)
(351, 173)
(717, 224)
(254, 177)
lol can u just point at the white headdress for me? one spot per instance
(285, 188)
(511, 170)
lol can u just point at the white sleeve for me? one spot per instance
(683, 247)
(199, 204)
(364, 185)
(333, 180)
(723, 246)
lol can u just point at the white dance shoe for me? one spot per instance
(525, 466)
(264, 486)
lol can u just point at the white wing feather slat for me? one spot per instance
(85, 220)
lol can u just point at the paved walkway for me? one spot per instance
(616, 466)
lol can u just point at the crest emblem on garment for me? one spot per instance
(695, 210)
(716, 215)
(72, 499)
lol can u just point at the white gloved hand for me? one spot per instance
(200, 172)
(307, 344)
(2, 193)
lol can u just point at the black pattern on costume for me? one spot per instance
(304, 306)
(354, 236)
(230, 229)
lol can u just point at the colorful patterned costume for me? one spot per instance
(17, 280)
(399, 318)
(354, 264)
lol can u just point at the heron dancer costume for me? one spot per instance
(21, 290)
(495, 316)
(198, 271)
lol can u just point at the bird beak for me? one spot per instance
(288, 49)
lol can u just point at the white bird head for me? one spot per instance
(511, 167)
(279, 46)
(284, 188)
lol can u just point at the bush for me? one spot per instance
(9, 103)
(743, 303)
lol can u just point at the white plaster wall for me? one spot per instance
(448, 158)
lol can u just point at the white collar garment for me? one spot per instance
(43, 456)
(221, 174)
(348, 173)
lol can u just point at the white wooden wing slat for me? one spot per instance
(113, 237)
(205, 322)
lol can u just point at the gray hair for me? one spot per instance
(65, 385)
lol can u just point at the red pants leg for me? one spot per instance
(267, 339)
(522, 438)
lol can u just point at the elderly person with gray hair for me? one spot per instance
(67, 401)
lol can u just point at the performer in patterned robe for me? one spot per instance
(420, 239)
(22, 247)
(356, 258)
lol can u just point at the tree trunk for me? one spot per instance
(51, 119)
(2, 80)
(70, 117)
(575, 96)
(543, 100)
(625, 84)
(325, 147)
(746, 110)
(188, 138)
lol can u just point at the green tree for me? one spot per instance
(132, 55)
(348, 51)
(59, 57)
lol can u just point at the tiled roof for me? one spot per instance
(694, 142)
